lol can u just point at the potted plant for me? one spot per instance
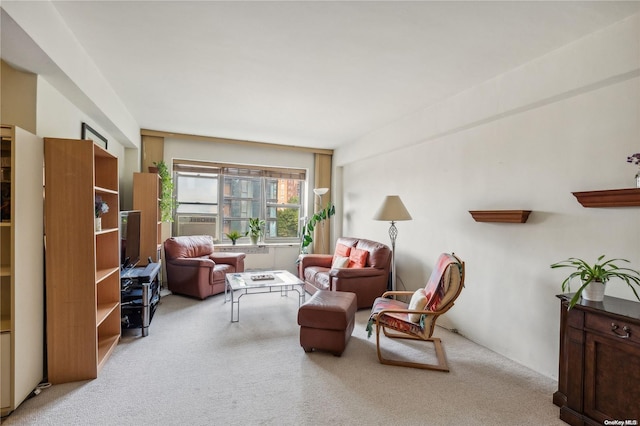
(101, 207)
(256, 228)
(318, 218)
(167, 202)
(234, 236)
(594, 277)
(635, 159)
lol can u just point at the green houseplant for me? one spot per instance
(316, 219)
(167, 202)
(101, 207)
(234, 236)
(256, 228)
(594, 277)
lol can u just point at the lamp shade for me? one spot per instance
(320, 191)
(392, 209)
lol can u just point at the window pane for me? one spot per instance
(241, 226)
(239, 187)
(283, 191)
(271, 190)
(197, 188)
(286, 223)
(197, 208)
(241, 208)
(283, 208)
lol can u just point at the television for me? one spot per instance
(129, 238)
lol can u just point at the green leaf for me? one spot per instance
(317, 218)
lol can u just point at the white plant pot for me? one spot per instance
(594, 292)
(98, 224)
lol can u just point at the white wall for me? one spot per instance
(46, 46)
(71, 89)
(58, 117)
(524, 140)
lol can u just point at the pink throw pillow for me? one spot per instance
(358, 258)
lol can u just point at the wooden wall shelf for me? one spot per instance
(506, 216)
(629, 197)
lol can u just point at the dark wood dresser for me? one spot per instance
(599, 368)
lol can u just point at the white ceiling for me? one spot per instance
(312, 73)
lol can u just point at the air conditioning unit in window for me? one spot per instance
(197, 225)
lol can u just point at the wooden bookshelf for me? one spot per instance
(21, 289)
(82, 265)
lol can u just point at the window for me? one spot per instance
(283, 208)
(197, 211)
(215, 199)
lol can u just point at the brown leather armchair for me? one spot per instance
(193, 269)
(367, 282)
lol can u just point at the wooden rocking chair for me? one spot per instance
(416, 320)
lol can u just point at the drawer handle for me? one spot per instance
(626, 329)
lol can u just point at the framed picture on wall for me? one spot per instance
(88, 132)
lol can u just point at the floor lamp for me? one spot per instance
(393, 210)
(319, 193)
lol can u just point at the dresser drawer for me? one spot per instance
(624, 330)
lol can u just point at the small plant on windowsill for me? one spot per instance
(235, 236)
(256, 228)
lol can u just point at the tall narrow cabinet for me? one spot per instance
(82, 264)
(21, 282)
(146, 198)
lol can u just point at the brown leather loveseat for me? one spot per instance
(193, 269)
(367, 281)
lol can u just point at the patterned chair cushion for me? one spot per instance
(443, 279)
(394, 320)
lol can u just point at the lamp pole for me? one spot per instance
(393, 234)
(393, 210)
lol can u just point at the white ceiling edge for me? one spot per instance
(34, 38)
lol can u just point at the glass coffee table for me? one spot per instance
(260, 282)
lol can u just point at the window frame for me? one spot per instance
(222, 172)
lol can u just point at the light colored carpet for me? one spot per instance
(197, 368)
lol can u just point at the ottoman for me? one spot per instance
(326, 321)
